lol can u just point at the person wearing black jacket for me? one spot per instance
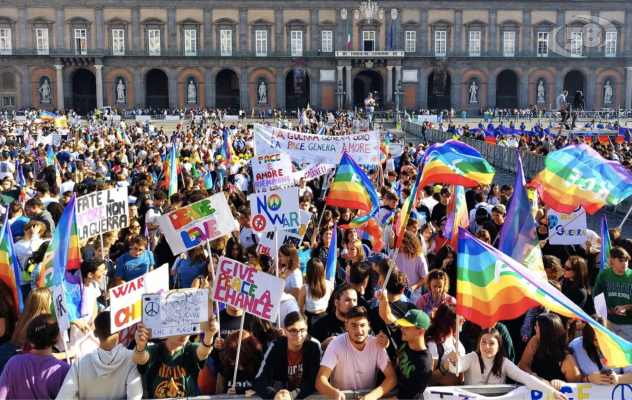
(291, 363)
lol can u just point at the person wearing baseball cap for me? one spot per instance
(414, 360)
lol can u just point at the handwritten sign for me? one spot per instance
(192, 225)
(101, 212)
(573, 233)
(61, 308)
(266, 242)
(125, 300)
(175, 313)
(275, 209)
(246, 288)
(303, 147)
(272, 172)
(314, 170)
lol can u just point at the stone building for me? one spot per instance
(245, 54)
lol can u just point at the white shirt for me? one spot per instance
(66, 187)
(302, 191)
(241, 182)
(7, 168)
(245, 237)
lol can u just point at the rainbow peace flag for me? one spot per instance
(57, 173)
(407, 208)
(577, 175)
(47, 116)
(516, 239)
(9, 266)
(120, 135)
(50, 156)
(492, 287)
(353, 189)
(22, 184)
(458, 216)
(384, 152)
(606, 244)
(174, 163)
(227, 148)
(332, 256)
(457, 163)
(388, 218)
(63, 256)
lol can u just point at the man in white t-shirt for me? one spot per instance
(7, 168)
(303, 189)
(247, 235)
(353, 359)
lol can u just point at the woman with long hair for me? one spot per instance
(320, 249)
(489, 366)
(428, 243)
(234, 250)
(553, 268)
(493, 197)
(288, 261)
(314, 295)
(445, 260)
(437, 285)
(189, 266)
(8, 313)
(412, 263)
(575, 282)
(441, 341)
(547, 354)
(250, 357)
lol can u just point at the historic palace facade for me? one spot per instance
(246, 54)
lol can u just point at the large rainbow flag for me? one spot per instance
(47, 116)
(384, 151)
(172, 178)
(458, 216)
(516, 236)
(62, 256)
(227, 147)
(50, 156)
(492, 287)
(407, 207)
(456, 163)
(606, 244)
(208, 180)
(353, 189)
(22, 184)
(332, 256)
(577, 175)
(9, 266)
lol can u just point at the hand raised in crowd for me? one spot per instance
(82, 325)
(213, 326)
(141, 336)
(382, 340)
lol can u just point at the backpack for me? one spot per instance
(482, 215)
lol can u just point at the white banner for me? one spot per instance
(145, 118)
(396, 148)
(303, 147)
(125, 300)
(192, 225)
(573, 233)
(423, 118)
(272, 172)
(101, 212)
(314, 170)
(585, 391)
(278, 209)
(61, 308)
(175, 313)
(253, 291)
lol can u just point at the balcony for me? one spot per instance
(369, 54)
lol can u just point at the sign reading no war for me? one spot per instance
(101, 212)
(192, 225)
(277, 209)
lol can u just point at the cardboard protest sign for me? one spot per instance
(176, 312)
(253, 291)
(573, 233)
(61, 309)
(101, 212)
(303, 147)
(272, 172)
(314, 170)
(192, 225)
(125, 300)
(396, 148)
(266, 242)
(278, 209)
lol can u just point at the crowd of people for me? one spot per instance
(355, 333)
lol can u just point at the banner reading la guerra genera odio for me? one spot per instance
(303, 147)
(192, 225)
(101, 212)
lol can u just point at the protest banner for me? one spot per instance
(304, 254)
(429, 118)
(101, 212)
(194, 224)
(61, 309)
(314, 170)
(573, 233)
(253, 291)
(266, 212)
(303, 147)
(176, 312)
(396, 149)
(85, 345)
(272, 172)
(125, 300)
(266, 243)
(571, 390)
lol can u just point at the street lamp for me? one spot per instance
(341, 94)
(398, 93)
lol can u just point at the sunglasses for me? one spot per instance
(568, 269)
(437, 275)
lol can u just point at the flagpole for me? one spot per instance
(456, 345)
(276, 267)
(210, 257)
(241, 332)
(563, 226)
(626, 217)
(65, 348)
(390, 270)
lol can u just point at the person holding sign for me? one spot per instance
(172, 367)
(352, 361)
(136, 263)
(292, 361)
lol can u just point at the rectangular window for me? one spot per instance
(475, 43)
(190, 42)
(42, 41)
(509, 44)
(154, 42)
(577, 42)
(261, 43)
(118, 42)
(81, 41)
(411, 37)
(368, 40)
(5, 41)
(441, 43)
(543, 44)
(226, 42)
(8, 101)
(328, 42)
(611, 44)
(296, 43)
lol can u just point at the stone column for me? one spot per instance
(59, 84)
(279, 87)
(339, 32)
(278, 34)
(423, 30)
(136, 31)
(314, 89)
(349, 85)
(243, 29)
(208, 30)
(173, 88)
(340, 78)
(525, 31)
(628, 32)
(26, 88)
(561, 34)
(137, 84)
(591, 89)
(628, 88)
(524, 89)
(172, 35)
(209, 88)
(314, 33)
(22, 27)
(99, 86)
(398, 75)
(423, 88)
(559, 84)
(100, 28)
(60, 27)
(493, 48)
(456, 90)
(491, 91)
(244, 90)
(458, 31)
(389, 83)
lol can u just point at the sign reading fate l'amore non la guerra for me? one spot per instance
(101, 212)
